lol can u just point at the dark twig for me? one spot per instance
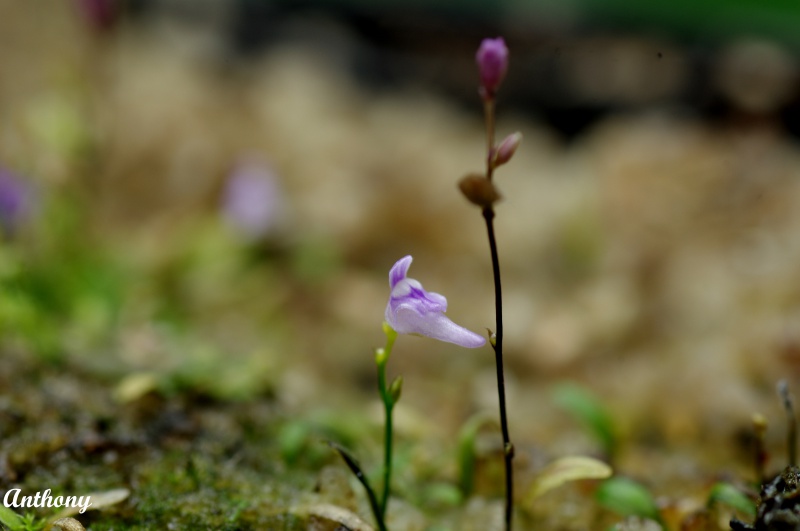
(497, 345)
(791, 420)
(759, 450)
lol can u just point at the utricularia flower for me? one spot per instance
(412, 310)
(253, 200)
(492, 59)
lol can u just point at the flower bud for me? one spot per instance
(492, 59)
(479, 190)
(99, 14)
(381, 356)
(503, 152)
(396, 389)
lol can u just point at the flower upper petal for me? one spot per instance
(399, 270)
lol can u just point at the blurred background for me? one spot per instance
(201, 200)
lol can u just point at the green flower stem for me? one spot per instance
(388, 403)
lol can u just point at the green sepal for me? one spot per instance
(396, 389)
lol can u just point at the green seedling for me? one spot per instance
(564, 470)
(730, 496)
(26, 522)
(10, 519)
(588, 410)
(466, 450)
(627, 498)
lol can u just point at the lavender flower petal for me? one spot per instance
(399, 270)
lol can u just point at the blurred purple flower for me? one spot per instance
(492, 59)
(412, 310)
(252, 201)
(15, 201)
(99, 14)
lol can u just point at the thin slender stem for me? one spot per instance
(388, 405)
(760, 453)
(788, 406)
(488, 112)
(508, 448)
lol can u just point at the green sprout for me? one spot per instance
(730, 496)
(626, 497)
(588, 410)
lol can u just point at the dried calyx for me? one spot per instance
(479, 190)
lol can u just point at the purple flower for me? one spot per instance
(15, 201)
(252, 200)
(412, 310)
(492, 59)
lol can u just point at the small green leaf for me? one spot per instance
(10, 519)
(627, 498)
(588, 410)
(292, 439)
(443, 494)
(466, 451)
(566, 469)
(727, 494)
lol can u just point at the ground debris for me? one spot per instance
(67, 524)
(779, 504)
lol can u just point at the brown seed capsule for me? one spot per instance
(479, 190)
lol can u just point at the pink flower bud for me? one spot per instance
(492, 59)
(506, 149)
(99, 14)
